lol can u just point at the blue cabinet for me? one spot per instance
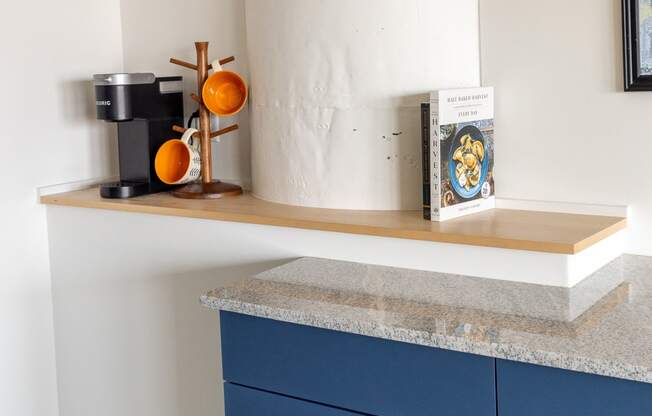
(525, 389)
(243, 401)
(275, 368)
(363, 374)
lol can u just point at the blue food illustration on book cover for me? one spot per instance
(469, 163)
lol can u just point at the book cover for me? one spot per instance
(461, 152)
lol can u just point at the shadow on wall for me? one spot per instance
(198, 348)
(76, 100)
(131, 336)
(410, 157)
(619, 72)
(131, 342)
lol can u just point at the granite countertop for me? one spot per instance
(601, 326)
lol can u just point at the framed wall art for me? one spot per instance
(637, 38)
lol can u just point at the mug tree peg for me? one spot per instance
(224, 131)
(195, 98)
(223, 61)
(183, 63)
(182, 130)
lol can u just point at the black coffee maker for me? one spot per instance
(145, 108)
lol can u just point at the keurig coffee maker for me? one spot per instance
(145, 109)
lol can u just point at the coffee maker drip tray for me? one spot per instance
(124, 189)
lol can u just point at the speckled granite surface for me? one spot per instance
(602, 326)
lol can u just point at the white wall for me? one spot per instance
(565, 129)
(49, 135)
(336, 93)
(131, 336)
(155, 30)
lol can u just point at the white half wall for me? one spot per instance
(156, 30)
(49, 135)
(131, 336)
(565, 130)
(336, 89)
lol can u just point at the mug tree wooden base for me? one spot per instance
(212, 190)
(207, 188)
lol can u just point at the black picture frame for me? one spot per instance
(634, 81)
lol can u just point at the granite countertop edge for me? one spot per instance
(517, 353)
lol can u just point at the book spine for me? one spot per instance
(435, 162)
(425, 154)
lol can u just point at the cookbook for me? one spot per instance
(460, 155)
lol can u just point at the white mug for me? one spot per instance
(177, 162)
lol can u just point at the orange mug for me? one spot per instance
(177, 162)
(225, 92)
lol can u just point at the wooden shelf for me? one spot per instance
(511, 229)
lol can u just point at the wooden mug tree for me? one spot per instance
(207, 188)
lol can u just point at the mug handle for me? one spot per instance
(216, 66)
(187, 135)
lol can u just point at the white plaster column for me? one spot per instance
(335, 92)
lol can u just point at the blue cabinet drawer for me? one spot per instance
(364, 374)
(531, 390)
(243, 401)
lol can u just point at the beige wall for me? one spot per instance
(565, 129)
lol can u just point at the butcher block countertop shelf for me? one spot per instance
(499, 228)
